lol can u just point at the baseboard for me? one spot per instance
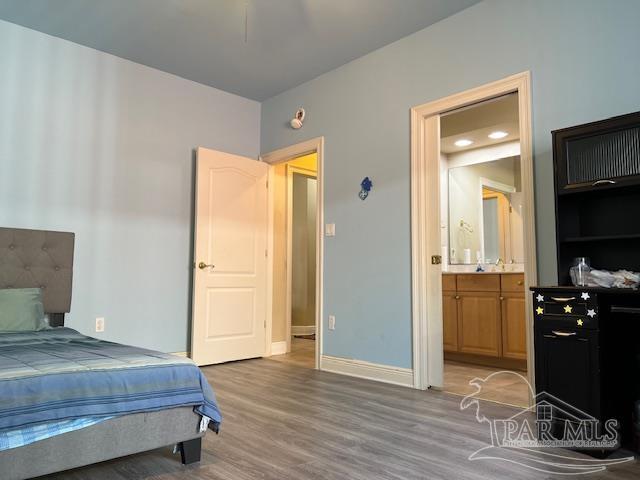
(368, 370)
(304, 330)
(278, 348)
(180, 354)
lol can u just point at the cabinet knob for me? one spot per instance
(520, 282)
(501, 298)
(457, 297)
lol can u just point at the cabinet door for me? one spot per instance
(479, 329)
(567, 367)
(450, 321)
(514, 326)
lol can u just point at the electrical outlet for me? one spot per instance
(332, 322)
(100, 324)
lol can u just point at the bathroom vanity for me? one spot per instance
(484, 319)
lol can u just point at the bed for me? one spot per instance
(71, 400)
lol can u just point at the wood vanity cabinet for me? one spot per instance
(449, 314)
(484, 318)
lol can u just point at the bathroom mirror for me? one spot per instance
(485, 212)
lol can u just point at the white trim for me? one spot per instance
(303, 329)
(181, 354)
(280, 156)
(278, 348)
(425, 223)
(495, 185)
(367, 370)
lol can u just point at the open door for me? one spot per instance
(230, 264)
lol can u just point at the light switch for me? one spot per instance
(330, 230)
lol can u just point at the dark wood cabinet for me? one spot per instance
(569, 354)
(586, 348)
(598, 155)
(597, 185)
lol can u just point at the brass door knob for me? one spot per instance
(203, 265)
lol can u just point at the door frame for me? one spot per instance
(280, 156)
(426, 278)
(291, 170)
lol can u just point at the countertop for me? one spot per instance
(484, 273)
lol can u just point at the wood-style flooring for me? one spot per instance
(302, 354)
(504, 387)
(282, 421)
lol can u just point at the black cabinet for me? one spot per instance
(567, 367)
(587, 353)
(567, 348)
(597, 186)
(598, 155)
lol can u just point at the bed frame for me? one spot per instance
(44, 259)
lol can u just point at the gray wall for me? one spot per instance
(583, 57)
(101, 146)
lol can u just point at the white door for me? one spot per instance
(230, 271)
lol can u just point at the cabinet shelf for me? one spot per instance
(601, 238)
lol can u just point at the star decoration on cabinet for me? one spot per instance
(580, 322)
(568, 309)
(540, 298)
(585, 296)
(591, 313)
(539, 311)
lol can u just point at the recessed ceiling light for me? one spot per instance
(498, 134)
(463, 142)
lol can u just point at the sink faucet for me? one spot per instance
(500, 264)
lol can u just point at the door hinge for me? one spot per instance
(266, 253)
(267, 184)
(436, 259)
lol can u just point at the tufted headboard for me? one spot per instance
(43, 259)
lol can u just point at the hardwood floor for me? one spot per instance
(509, 388)
(282, 421)
(303, 351)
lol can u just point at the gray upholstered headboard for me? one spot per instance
(38, 258)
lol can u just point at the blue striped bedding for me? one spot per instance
(59, 375)
(19, 437)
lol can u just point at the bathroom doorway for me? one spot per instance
(474, 242)
(296, 193)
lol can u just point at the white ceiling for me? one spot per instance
(287, 41)
(477, 121)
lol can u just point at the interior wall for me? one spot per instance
(581, 70)
(103, 147)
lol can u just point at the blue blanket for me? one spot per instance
(59, 374)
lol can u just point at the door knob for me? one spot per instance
(203, 265)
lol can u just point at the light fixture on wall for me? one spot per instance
(463, 142)
(298, 119)
(498, 134)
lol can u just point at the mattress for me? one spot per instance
(58, 375)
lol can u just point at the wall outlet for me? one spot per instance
(330, 230)
(332, 322)
(100, 324)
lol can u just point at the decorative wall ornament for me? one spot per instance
(365, 185)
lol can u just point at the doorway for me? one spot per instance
(463, 319)
(296, 197)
